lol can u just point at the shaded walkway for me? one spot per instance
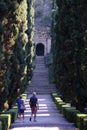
(48, 117)
(39, 81)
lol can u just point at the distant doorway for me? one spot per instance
(40, 49)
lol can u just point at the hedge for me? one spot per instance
(0, 125)
(4, 121)
(80, 121)
(8, 119)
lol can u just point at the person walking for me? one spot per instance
(33, 102)
(21, 108)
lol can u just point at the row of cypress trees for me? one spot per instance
(69, 49)
(16, 48)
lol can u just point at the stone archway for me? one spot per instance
(40, 49)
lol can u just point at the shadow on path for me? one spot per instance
(48, 117)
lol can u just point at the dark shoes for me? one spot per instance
(34, 119)
(30, 118)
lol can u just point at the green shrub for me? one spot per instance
(4, 121)
(60, 104)
(0, 125)
(24, 97)
(53, 95)
(51, 74)
(57, 100)
(64, 108)
(71, 114)
(8, 119)
(48, 59)
(13, 113)
(15, 108)
(79, 120)
(75, 112)
(84, 123)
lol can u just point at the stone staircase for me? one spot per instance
(48, 116)
(39, 82)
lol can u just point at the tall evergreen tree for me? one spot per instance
(31, 45)
(70, 50)
(14, 46)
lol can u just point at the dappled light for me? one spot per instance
(37, 128)
(48, 117)
(43, 52)
(39, 115)
(42, 99)
(43, 105)
(43, 110)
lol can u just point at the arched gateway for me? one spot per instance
(40, 49)
(42, 42)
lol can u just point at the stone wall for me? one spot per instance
(41, 36)
(43, 23)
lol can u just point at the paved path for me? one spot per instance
(39, 82)
(48, 117)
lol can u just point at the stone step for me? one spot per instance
(40, 73)
(39, 77)
(48, 117)
(39, 80)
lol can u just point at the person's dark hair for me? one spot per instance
(21, 97)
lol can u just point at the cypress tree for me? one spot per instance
(70, 50)
(15, 44)
(30, 45)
